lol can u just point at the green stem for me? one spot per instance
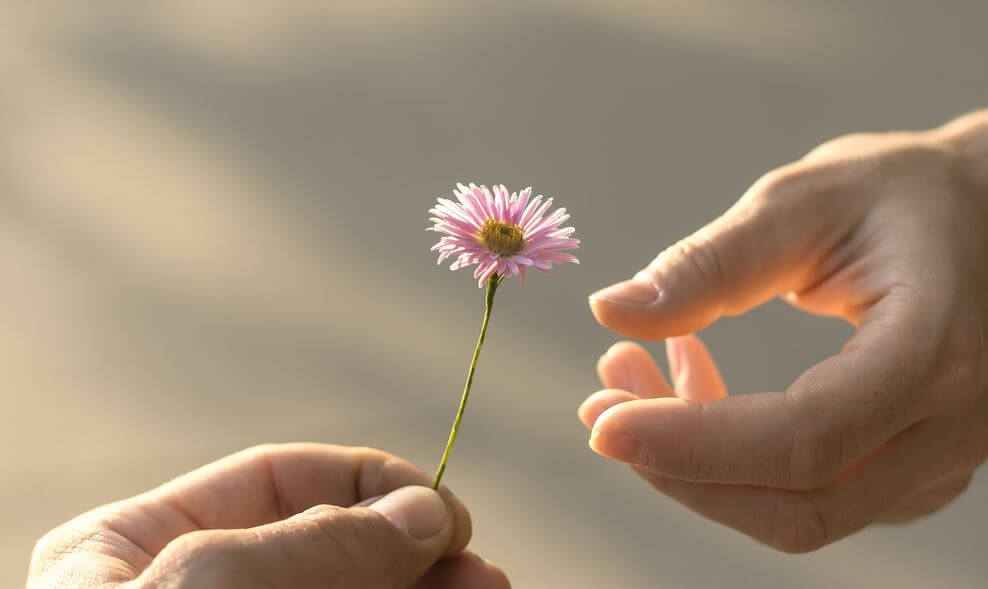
(492, 285)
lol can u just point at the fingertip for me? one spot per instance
(628, 320)
(696, 375)
(624, 432)
(625, 307)
(632, 416)
(610, 439)
(417, 511)
(464, 570)
(493, 578)
(498, 579)
(603, 363)
(624, 348)
(584, 415)
(612, 368)
(380, 473)
(658, 319)
(462, 521)
(629, 366)
(608, 418)
(618, 445)
(634, 292)
(601, 401)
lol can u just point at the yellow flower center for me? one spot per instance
(503, 239)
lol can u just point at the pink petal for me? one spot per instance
(527, 215)
(459, 221)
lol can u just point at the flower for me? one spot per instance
(502, 234)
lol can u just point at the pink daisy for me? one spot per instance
(503, 234)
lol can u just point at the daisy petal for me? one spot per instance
(500, 232)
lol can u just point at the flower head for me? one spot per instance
(503, 234)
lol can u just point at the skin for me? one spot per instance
(886, 231)
(274, 516)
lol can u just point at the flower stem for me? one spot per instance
(492, 285)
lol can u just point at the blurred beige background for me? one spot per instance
(211, 236)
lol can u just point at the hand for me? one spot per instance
(268, 517)
(889, 232)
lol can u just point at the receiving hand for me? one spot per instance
(889, 232)
(274, 516)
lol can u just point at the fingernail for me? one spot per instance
(417, 511)
(619, 446)
(583, 413)
(629, 292)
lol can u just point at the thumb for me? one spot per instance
(762, 246)
(389, 544)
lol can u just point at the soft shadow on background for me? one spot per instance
(211, 236)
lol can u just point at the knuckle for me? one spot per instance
(79, 535)
(52, 547)
(203, 558)
(209, 550)
(842, 144)
(362, 540)
(263, 451)
(792, 191)
(700, 258)
(691, 465)
(814, 454)
(781, 185)
(49, 544)
(798, 525)
(815, 457)
(376, 547)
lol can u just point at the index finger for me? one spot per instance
(766, 244)
(268, 483)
